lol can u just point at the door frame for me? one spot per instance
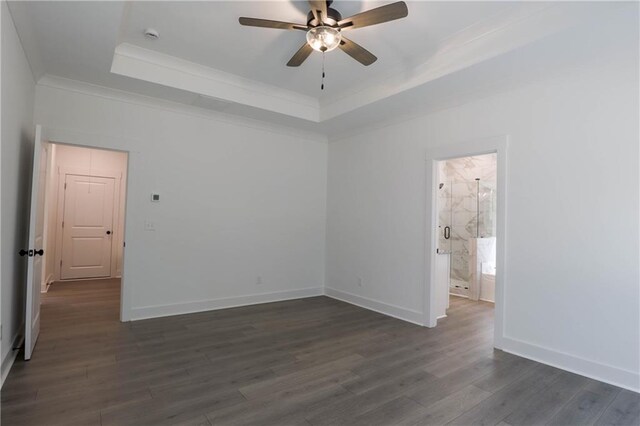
(491, 145)
(60, 194)
(134, 161)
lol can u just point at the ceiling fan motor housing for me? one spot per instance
(324, 29)
(331, 20)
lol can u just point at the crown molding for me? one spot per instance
(65, 84)
(486, 40)
(155, 67)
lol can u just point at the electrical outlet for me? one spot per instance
(149, 226)
(259, 280)
(359, 282)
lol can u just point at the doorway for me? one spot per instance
(467, 228)
(84, 210)
(466, 219)
(76, 223)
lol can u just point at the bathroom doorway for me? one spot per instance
(467, 202)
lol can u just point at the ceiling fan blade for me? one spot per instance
(319, 7)
(300, 56)
(357, 52)
(266, 23)
(375, 16)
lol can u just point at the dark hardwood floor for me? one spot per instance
(313, 361)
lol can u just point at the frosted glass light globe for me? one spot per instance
(323, 38)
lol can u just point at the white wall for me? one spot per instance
(17, 147)
(239, 200)
(67, 158)
(572, 277)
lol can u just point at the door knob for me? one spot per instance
(38, 252)
(23, 252)
(108, 232)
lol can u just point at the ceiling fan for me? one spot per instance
(325, 26)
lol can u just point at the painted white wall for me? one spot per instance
(82, 160)
(17, 148)
(572, 276)
(239, 200)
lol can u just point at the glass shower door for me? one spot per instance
(463, 228)
(444, 218)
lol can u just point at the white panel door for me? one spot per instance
(87, 228)
(35, 250)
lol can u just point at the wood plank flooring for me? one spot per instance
(314, 361)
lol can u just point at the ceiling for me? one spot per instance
(216, 40)
(205, 58)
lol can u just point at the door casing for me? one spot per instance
(122, 144)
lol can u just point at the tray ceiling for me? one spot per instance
(205, 58)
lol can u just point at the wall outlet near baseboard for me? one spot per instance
(359, 281)
(258, 280)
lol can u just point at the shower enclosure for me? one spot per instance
(467, 212)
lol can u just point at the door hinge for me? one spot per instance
(60, 262)
(63, 223)
(65, 185)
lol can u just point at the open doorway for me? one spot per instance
(84, 217)
(76, 231)
(466, 219)
(467, 202)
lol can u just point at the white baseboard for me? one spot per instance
(227, 302)
(404, 314)
(464, 296)
(594, 370)
(46, 284)
(10, 358)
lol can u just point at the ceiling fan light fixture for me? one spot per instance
(324, 38)
(325, 25)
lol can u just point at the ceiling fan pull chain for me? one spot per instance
(322, 85)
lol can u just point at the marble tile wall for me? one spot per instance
(467, 208)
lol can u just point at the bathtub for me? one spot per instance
(488, 282)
